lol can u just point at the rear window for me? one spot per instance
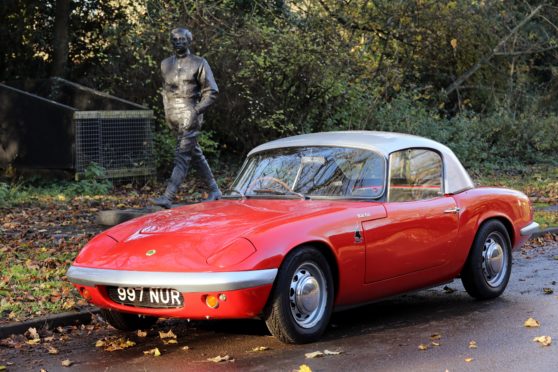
(414, 174)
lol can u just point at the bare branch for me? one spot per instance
(529, 51)
(381, 33)
(549, 22)
(453, 86)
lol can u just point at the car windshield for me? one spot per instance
(331, 172)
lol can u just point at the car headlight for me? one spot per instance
(101, 241)
(232, 254)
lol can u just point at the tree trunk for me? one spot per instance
(61, 39)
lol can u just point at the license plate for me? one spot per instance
(146, 297)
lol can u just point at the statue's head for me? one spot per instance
(181, 39)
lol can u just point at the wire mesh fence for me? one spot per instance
(119, 141)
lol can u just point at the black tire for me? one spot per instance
(487, 270)
(302, 299)
(127, 322)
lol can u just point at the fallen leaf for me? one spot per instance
(2, 368)
(468, 360)
(543, 340)
(114, 343)
(472, 344)
(33, 333)
(315, 354)
(67, 305)
(435, 343)
(453, 43)
(532, 323)
(185, 348)
(304, 368)
(169, 334)
(67, 362)
(48, 339)
(435, 336)
(448, 289)
(34, 341)
(169, 341)
(328, 352)
(154, 352)
(219, 359)
(423, 347)
(52, 350)
(142, 333)
(260, 348)
(548, 291)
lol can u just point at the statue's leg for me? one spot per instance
(200, 162)
(182, 159)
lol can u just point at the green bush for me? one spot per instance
(38, 189)
(497, 141)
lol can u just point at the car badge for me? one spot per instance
(150, 252)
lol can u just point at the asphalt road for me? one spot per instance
(383, 336)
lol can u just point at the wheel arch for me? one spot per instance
(329, 255)
(505, 221)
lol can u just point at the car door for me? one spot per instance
(422, 223)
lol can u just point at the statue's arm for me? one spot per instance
(208, 87)
(164, 71)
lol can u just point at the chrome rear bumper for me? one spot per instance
(530, 229)
(182, 282)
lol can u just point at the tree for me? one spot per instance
(61, 39)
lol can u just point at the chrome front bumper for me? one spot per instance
(530, 229)
(182, 282)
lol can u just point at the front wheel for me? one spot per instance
(488, 268)
(127, 322)
(302, 299)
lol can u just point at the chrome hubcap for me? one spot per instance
(307, 295)
(494, 259)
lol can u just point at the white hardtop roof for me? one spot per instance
(456, 177)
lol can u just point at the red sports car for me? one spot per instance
(312, 224)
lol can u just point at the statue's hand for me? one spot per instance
(166, 108)
(190, 121)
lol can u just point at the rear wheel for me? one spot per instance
(302, 299)
(127, 322)
(488, 268)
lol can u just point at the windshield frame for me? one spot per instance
(380, 197)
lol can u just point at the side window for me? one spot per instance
(415, 174)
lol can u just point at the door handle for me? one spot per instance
(454, 210)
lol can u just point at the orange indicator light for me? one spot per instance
(212, 301)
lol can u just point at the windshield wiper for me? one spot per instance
(277, 192)
(242, 196)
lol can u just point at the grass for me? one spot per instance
(540, 183)
(546, 219)
(14, 194)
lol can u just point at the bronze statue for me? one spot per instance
(188, 90)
